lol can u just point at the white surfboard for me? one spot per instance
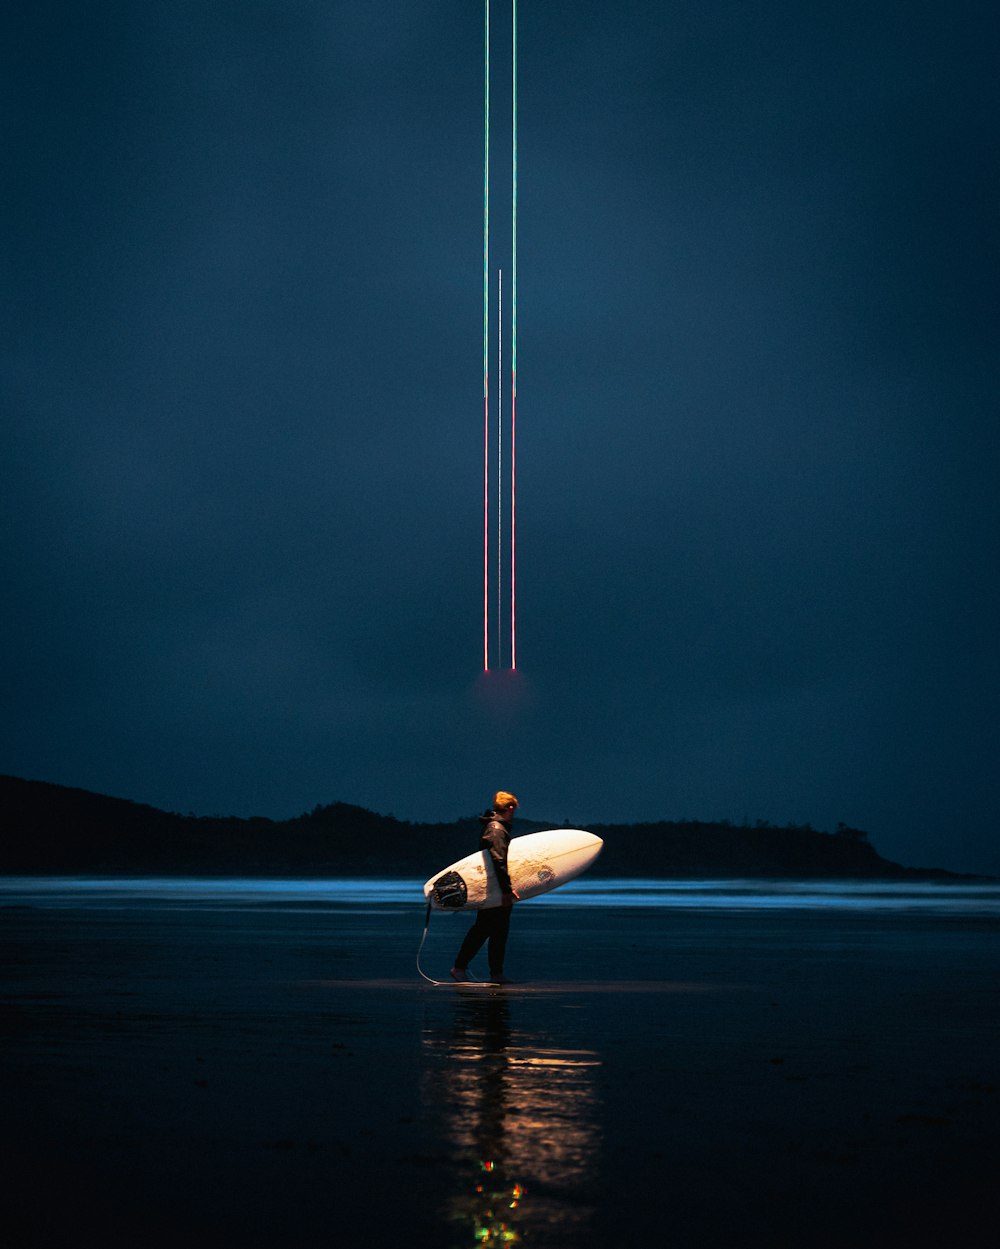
(536, 862)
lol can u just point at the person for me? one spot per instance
(492, 924)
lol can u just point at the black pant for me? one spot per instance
(491, 925)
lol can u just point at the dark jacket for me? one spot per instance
(495, 838)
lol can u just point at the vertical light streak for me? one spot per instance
(496, 650)
(513, 340)
(486, 346)
(499, 466)
(486, 532)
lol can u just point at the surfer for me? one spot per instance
(492, 924)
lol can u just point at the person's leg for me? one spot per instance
(499, 928)
(473, 942)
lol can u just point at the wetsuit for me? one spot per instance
(493, 924)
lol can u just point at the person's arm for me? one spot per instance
(497, 839)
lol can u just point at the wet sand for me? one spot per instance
(276, 1074)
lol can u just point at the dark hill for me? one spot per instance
(50, 829)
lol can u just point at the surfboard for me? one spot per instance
(537, 863)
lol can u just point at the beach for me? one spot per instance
(260, 1063)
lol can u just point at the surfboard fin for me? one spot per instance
(450, 891)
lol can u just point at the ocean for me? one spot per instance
(258, 1062)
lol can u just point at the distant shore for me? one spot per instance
(53, 829)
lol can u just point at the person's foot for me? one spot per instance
(460, 974)
(500, 979)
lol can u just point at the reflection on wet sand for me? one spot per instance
(522, 1118)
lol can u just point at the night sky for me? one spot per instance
(241, 396)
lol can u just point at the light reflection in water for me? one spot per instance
(521, 1117)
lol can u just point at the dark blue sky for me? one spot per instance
(241, 389)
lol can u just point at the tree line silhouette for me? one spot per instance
(53, 829)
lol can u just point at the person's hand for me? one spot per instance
(508, 899)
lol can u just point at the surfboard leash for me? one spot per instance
(436, 983)
(427, 924)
